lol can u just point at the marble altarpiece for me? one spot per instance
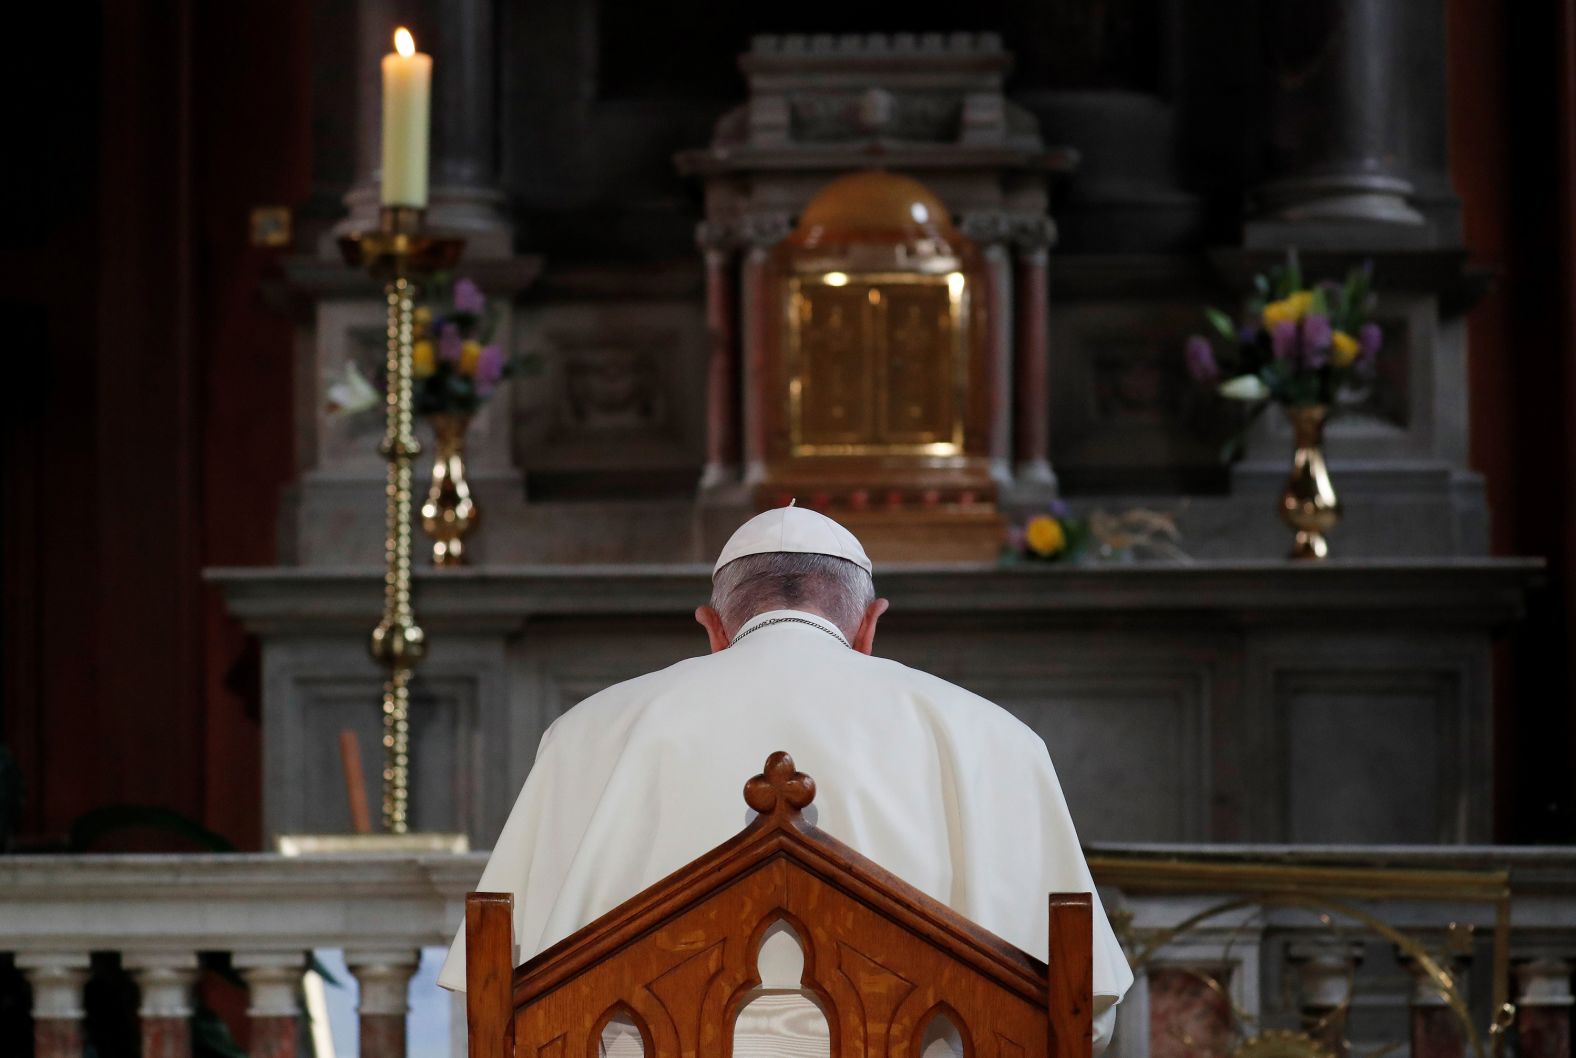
(629, 241)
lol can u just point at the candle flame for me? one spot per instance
(404, 43)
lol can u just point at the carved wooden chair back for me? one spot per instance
(679, 960)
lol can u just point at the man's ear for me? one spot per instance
(865, 638)
(711, 621)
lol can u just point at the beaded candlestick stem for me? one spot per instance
(399, 253)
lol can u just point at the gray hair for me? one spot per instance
(835, 588)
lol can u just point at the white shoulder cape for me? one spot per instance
(942, 788)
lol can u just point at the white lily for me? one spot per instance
(352, 393)
(1244, 387)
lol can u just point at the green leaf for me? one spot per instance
(1320, 304)
(1221, 322)
(1293, 269)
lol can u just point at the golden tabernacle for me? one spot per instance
(875, 376)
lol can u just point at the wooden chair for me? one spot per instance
(679, 960)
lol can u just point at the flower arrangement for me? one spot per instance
(1052, 536)
(455, 363)
(1301, 345)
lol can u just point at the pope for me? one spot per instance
(944, 789)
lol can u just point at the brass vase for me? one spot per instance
(1308, 503)
(449, 511)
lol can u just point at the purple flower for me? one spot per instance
(1057, 509)
(1283, 339)
(1315, 341)
(449, 342)
(468, 297)
(1201, 360)
(489, 366)
(1369, 340)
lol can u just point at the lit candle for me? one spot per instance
(407, 90)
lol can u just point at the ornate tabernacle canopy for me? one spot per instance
(874, 206)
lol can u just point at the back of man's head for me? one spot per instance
(834, 588)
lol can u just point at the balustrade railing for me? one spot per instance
(1256, 952)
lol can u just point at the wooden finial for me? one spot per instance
(779, 788)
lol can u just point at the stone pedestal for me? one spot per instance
(57, 982)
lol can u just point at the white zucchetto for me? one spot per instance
(796, 529)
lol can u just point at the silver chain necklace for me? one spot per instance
(791, 620)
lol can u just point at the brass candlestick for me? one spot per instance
(399, 253)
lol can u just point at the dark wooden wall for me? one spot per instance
(148, 432)
(1513, 136)
(153, 430)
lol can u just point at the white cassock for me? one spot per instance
(944, 789)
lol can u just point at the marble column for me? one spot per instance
(1324, 978)
(57, 982)
(384, 980)
(466, 197)
(990, 232)
(722, 367)
(1189, 1011)
(1436, 1031)
(1336, 112)
(1032, 436)
(165, 981)
(760, 233)
(1543, 1008)
(273, 981)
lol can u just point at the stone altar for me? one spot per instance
(1215, 702)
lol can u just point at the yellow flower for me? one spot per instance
(422, 319)
(1343, 349)
(470, 356)
(1045, 536)
(422, 359)
(1289, 309)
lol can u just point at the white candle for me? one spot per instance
(407, 91)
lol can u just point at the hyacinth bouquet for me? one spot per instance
(1301, 346)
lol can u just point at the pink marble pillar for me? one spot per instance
(1324, 979)
(1187, 1016)
(57, 981)
(1543, 1008)
(273, 981)
(1033, 433)
(384, 1003)
(1436, 1031)
(998, 337)
(722, 366)
(757, 316)
(165, 980)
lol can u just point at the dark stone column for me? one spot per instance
(1032, 346)
(1335, 147)
(461, 36)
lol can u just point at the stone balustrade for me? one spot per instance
(1250, 970)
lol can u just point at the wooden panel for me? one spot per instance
(679, 961)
